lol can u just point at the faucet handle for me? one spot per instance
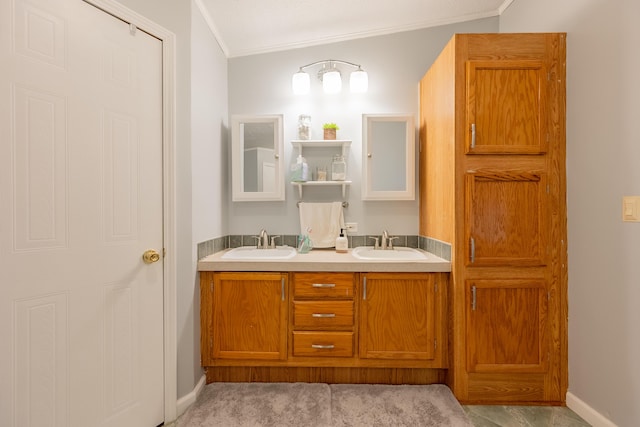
(391, 239)
(272, 245)
(376, 245)
(258, 238)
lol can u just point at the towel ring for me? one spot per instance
(344, 204)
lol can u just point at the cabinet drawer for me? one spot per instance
(323, 344)
(322, 313)
(327, 285)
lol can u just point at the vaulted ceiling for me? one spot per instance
(246, 27)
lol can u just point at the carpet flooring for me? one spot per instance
(324, 405)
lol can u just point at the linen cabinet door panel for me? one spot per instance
(507, 326)
(505, 218)
(398, 316)
(250, 316)
(506, 107)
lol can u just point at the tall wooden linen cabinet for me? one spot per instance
(492, 184)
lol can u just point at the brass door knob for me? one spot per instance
(150, 256)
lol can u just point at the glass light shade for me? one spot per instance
(331, 82)
(359, 81)
(301, 83)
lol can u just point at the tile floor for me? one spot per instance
(523, 416)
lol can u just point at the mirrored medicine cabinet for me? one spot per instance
(257, 163)
(388, 157)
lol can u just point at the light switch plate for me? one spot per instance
(631, 208)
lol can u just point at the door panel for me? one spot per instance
(250, 316)
(506, 325)
(398, 316)
(81, 174)
(505, 218)
(506, 107)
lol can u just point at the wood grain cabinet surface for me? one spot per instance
(326, 326)
(402, 317)
(243, 316)
(492, 179)
(323, 320)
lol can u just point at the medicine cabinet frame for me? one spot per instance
(267, 173)
(388, 157)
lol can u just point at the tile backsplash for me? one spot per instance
(436, 247)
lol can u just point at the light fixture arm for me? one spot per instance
(330, 76)
(330, 62)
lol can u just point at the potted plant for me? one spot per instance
(330, 130)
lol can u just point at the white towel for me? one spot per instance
(325, 221)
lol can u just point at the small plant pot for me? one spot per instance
(329, 134)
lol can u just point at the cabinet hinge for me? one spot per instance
(211, 286)
(435, 287)
(548, 189)
(435, 344)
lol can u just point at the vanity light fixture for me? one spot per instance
(331, 78)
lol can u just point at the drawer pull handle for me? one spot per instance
(323, 346)
(323, 285)
(323, 315)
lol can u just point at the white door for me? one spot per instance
(81, 320)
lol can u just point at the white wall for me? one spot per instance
(209, 171)
(603, 164)
(209, 176)
(261, 84)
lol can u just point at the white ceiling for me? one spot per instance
(247, 27)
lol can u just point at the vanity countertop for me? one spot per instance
(324, 260)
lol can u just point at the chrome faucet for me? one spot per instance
(386, 240)
(262, 239)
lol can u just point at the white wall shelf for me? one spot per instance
(344, 185)
(342, 144)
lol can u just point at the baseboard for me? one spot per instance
(587, 413)
(190, 398)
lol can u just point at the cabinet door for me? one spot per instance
(506, 218)
(398, 316)
(506, 325)
(250, 316)
(506, 107)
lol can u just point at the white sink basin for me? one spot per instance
(250, 252)
(395, 254)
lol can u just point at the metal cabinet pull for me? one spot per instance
(473, 135)
(323, 285)
(364, 288)
(323, 315)
(282, 289)
(472, 244)
(473, 298)
(323, 346)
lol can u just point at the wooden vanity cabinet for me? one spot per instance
(492, 178)
(243, 316)
(402, 317)
(323, 315)
(323, 326)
